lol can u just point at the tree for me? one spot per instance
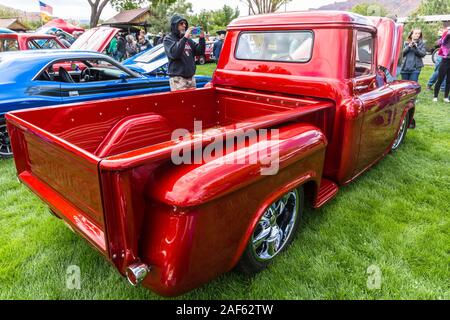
(214, 20)
(163, 10)
(370, 9)
(433, 7)
(121, 5)
(264, 6)
(97, 7)
(224, 16)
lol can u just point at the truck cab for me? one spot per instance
(164, 185)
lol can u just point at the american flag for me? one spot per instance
(45, 8)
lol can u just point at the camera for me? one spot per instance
(196, 31)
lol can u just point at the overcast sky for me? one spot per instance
(80, 9)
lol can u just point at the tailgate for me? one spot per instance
(62, 175)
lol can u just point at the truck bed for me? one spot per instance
(115, 127)
(64, 153)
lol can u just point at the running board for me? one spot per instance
(327, 191)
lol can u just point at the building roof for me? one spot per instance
(127, 17)
(13, 24)
(301, 17)
(435, 18)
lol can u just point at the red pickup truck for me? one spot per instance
(144, 178)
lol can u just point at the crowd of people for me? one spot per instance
(414, 51)
(124, 46)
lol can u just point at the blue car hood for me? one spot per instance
(148, 62)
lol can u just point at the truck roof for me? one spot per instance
(301, 17)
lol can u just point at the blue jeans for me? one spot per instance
(412, 76)
(118, 56)
(434, 76)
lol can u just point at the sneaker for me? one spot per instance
(447, 100)
(435, 99)
(429, 88)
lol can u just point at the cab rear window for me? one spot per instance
(286, 46)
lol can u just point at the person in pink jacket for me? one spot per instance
(444, 70)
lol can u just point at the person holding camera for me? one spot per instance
(444, 68)
(413, 53)
(181, 51)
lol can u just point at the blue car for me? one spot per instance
(30, 79)
(6, 30)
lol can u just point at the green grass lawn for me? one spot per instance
(395, 217)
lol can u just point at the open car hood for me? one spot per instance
(95, 39)
(149, 61)
(389, 43)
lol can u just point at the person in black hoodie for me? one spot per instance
(120, 52)
(181, 51)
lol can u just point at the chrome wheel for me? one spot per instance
(401, 134)
(274, 229)
(5, 145)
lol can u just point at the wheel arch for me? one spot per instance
(310, 186)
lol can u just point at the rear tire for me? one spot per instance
(274, 232)
(5, 144)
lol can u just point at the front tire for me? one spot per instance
(273, 233)
(401, 134)
(5, 144)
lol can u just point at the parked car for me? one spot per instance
(28, 41)
(30, 79)
(208, 56)
(305, 84)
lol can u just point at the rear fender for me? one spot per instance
(192, 205)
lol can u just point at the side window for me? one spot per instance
(364, 53)
(50, 44)
(32, 45)
(8, 45)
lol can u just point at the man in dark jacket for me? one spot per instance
(218, 44)
(119, 55)
(181, 51)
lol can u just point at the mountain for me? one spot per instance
(401, 8)
(7, 12)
